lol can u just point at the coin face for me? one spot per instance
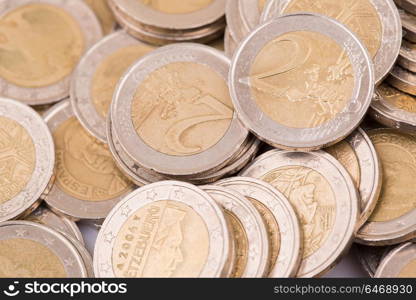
(104, 14)
(358, 155)
(375, 22)
(26, 158)
(31, 250)
(324, 198)
(305, 102)
(28, 76)
(394, 108)
(281, 224)
(166, 229)
(393, 219)
(399, 263)
(88, 183)
(180, 92)
(249, 232)
(97, 75)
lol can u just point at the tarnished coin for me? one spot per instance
(104, 14)
(166, 229)
(301, 82)
(407, 57)
(249, 232)
(281, 224)
(42, 42)
(375, 22)
(62, 224)
(403, 80)
(393, 220)
(359, 157)
(32, 250)
(408, 5)
(409, 25)
(370, 257)
(88, 183)
(394, 109)
(172, 112)
(27, 159)
(96, 77)
(325, 200)
(399, 263)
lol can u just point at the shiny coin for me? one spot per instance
(359, 157)
(31, 250)
(88, 183)
(399, 263)
(409, 26)
(394, 109)
(96, 77)
(304, 99)
(375, 22)
(26, 159)
(62, 224)
(166, 229)
(407, 57)
(281, 224)
(172, 112)
(393, 220)
(42, 42)
(249, 232)
(325, 200)
(83, 252)
(403, 80)
(370, 257)
(104, 14)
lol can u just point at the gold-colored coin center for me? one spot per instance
(297, 86)
(313, 200)
(182, 109)
(398, 158)
(162, 239)
(23, 258)
(85, 168)
(359, 15)
(177, 6)
(17, 159)
(409, 271)
(40, 44)
(397, 99)
(262, 3)
(109, 72)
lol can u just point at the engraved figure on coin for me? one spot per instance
(304, 188)
(17, 159)
(188, 113)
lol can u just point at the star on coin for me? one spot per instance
(109, 237)
(21, 232)
(151, 195)
(69, 262)
(125, 211)
(136, 168)
(49, 241)
(105, 267)
(178, 194)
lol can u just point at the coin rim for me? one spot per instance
(397, 257)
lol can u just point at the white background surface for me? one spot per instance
(349, 266)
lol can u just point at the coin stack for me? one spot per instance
(197, 165)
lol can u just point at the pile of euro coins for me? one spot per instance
(207, 138)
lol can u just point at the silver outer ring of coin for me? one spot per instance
(403, 80)
(409, 25)
(391, 232)
(250, 13)
(252, 223)
(42, 175)
(58, 200)
(407, 57)
(371, 175)
(236, 28)
(210, 160)
(396, 260)
(346, 198)
(91, 29)
(391, 32)
(82, 81)
(305, 138)
(185, 193)
(290, 252)
(407, 5)
(149, 17)
(68, 254)
(62, 224)
(370, 257)
(229, 44)
(391, 116)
